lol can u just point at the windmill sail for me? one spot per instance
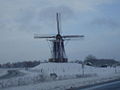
(73, 36)
(58, 23)
(37, 36)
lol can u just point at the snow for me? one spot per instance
(60, 68)
(68, 75)
(3, 72)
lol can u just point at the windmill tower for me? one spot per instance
(58, 49)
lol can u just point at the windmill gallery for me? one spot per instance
(58, 50)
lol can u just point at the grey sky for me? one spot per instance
(98, 20)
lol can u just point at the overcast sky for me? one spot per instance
(98, 20)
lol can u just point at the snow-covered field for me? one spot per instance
(3, 72)
(58, 76)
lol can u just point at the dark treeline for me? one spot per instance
(24, 64)
(93, 61)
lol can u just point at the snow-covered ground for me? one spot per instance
(3, 72)
(59, 76)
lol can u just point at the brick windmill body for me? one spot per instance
(58, 49)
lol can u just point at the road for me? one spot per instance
(107, 86)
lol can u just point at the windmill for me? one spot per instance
(58, 49)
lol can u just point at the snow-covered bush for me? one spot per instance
(53, 76)
(25, 80)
